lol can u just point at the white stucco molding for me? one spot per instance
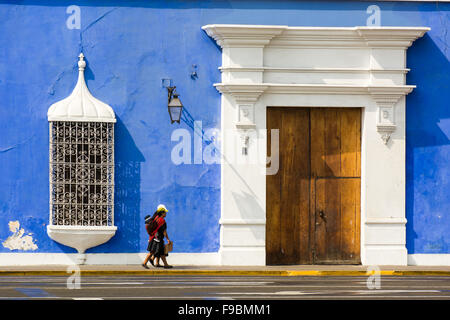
(81, 238)
(245, 97)
(386, 99)
(81, 105)
(251, 92)
(281, 66)
(242, 221)
(390, 37)
(242, 93)
(237, 36)
(285, 36)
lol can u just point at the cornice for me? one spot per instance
(311, 70)
(242, 35)
(383, 91)
(391, 36)
(301, 37)
(253, 91)
(242, 93)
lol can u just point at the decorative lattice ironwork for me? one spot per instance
(81, 173)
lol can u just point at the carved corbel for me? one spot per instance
(386, 114)
(245, 97)
(245, 123)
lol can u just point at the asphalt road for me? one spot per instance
(225, 287)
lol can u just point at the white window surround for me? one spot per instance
(81, 106)
(316, 67)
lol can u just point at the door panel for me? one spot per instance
(350, 143)
(335, 142)
(327, 231)
(313, 202)
(288, 202)
(336, 169)
(350, 219)
(295, 185)
(337, 220)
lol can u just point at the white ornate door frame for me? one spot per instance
(314, 67)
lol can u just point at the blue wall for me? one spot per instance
(129, 47)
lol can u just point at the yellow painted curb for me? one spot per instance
(339, 273)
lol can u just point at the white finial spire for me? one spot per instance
(81, 105)
(81, 62)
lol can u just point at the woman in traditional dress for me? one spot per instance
(157, 229)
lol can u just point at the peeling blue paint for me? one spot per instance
(129, 47)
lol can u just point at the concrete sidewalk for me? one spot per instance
(292, 270)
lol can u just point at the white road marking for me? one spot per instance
(289, 293)
(278, 293)
(394, 291)
(328, 293)
(170, 298)
(114, 283)
(223, 283)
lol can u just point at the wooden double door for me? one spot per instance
(313, 201)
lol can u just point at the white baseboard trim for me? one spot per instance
(32, 259)
(242, 256)
(379, 255)
(425, 259)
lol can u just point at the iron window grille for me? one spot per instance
(81, 173)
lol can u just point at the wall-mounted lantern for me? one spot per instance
(174, 105)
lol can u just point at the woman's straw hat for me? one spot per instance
(162, 208)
